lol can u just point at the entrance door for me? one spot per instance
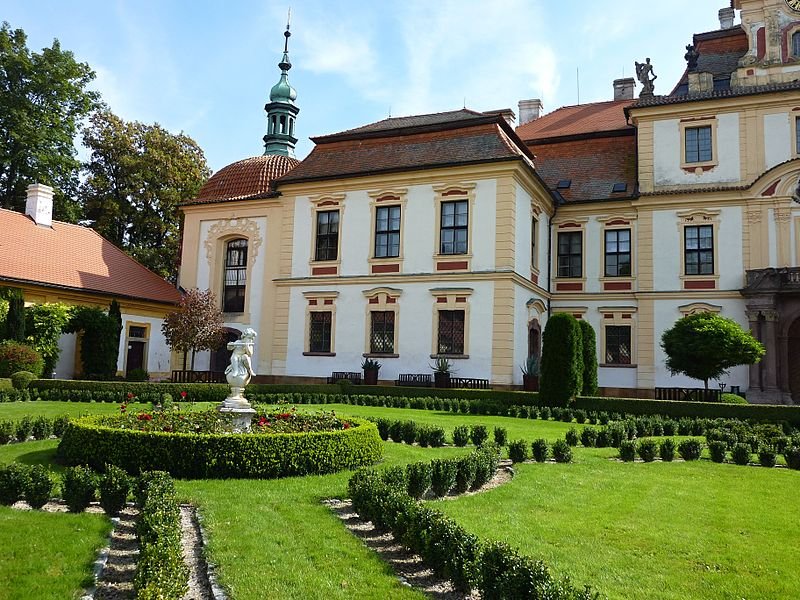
(221, 357)
(793, 361)
(135, 356)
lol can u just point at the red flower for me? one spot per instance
(145, 417)
(130, 395)
(346, 425)
(123, 407)
(183, 394)
(262, 422)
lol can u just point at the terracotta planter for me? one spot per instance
(530, 383)
(441, 380)
(371, 376)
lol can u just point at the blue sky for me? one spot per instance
(206, 67)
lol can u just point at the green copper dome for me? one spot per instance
(282, 91)
(281, 110)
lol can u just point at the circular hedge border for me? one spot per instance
(217, 456)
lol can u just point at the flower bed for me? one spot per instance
(202, 445)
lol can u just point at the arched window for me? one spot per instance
(283, 124)
(235, 276)
(796, 44)
(534, 338)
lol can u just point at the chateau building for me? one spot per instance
(455, 235)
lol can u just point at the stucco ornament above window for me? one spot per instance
(234, 227)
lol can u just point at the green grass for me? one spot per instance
(14, 411)
(47, 556)
(657, 531)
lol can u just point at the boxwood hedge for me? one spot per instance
(211, 456)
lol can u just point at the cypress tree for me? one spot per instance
(116, 315)
(589, 387)
(562, 360)
(15, 320)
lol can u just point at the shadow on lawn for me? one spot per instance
(45, 457)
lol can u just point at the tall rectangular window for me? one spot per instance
(534, 227)
(454, 227)
(618, 344)
(320, 331)
(797, 134)
(699, 250)
(387, 232)
(451, 332)
(698, 144)
(618, 253)
(327, 242)
(381, 336)
(233, 292)
(570, 254)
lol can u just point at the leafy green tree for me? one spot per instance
(137, 175)
(196, 325)
(115, 313)
(561, 374)
(705, 345)
(43, 100)
(99, 343)
(14, 325)
(44, 324)
(589, 345)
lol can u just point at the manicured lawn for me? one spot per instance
(660, 530)
(48, 556)
(14, 411)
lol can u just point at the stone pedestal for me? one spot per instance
(239, 409)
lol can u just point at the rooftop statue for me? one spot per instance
(643, 72)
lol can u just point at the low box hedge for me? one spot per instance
(212, 456)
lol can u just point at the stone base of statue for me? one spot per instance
(239, 409)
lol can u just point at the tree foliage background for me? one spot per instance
(705, 345)
(196, 325)
(136, 174)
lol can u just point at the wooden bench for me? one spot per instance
(414, 379)
(469, 383)
(689, 394)
(353, 377)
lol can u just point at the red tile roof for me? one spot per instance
(580, 119)
(245, 179)
(74, 257)
(412, 121)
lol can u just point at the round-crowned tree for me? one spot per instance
(561, 373)
(705, 345)
(589, 387)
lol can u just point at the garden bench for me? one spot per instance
(352, 377)
(469, 383)
(689, 394)
(414, 379)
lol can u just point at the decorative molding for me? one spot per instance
(699, 307)
(702, 215)
(753, 215)
(229, 227)
(536, 306)
(783, 214)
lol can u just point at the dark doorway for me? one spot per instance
(793, 360)
(221, 357)
(534, 338)
(135, 359)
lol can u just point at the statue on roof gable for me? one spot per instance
(643, 72)
(692, 55)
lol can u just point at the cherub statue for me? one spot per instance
(240, 370)
(643, 72)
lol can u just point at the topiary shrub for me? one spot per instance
(545, 413)
(396, 431)
(22, 379)
(767, 457)
(666, 450)
(461, 435)
(647, 450)
(38, 486)
(13, 481)
(571, 437)
(60, 424)
(15, 357)
(589, 356)
(8, 431)
(733, 399)
(42, 428)
(486, 460)
(78, 487)
(627, 450)
(409, 432)
(540, 450)
(717, 449)
(589, 437)
(479, 434)
(518, 451)
(561, 377)
(383, 427)
(792, 456)
(24, 428)
(465, 473)
(690, 449)
(740, 453)
(114, 486)
(562, 453)
(419, 479)
(500, 436)
(443, 476)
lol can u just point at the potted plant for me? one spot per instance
(371, 368)
(530, 374)
(441, 373)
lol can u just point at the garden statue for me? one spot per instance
(643, 72)
(238, 375)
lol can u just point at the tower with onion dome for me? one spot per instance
(281, 109)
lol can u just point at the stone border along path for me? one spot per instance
(408, 566)
(115, 566)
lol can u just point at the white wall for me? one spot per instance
(667, 154)
(158, 353)
(777, 139)
(483, 223)
(65, 368)
(522, 233)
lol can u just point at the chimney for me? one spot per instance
(623, 88)
(39, 205)
(529, 110)
(507, 114)
(726, 16)
(700, 82)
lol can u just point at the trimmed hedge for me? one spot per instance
(561, 377)
(211, 456)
